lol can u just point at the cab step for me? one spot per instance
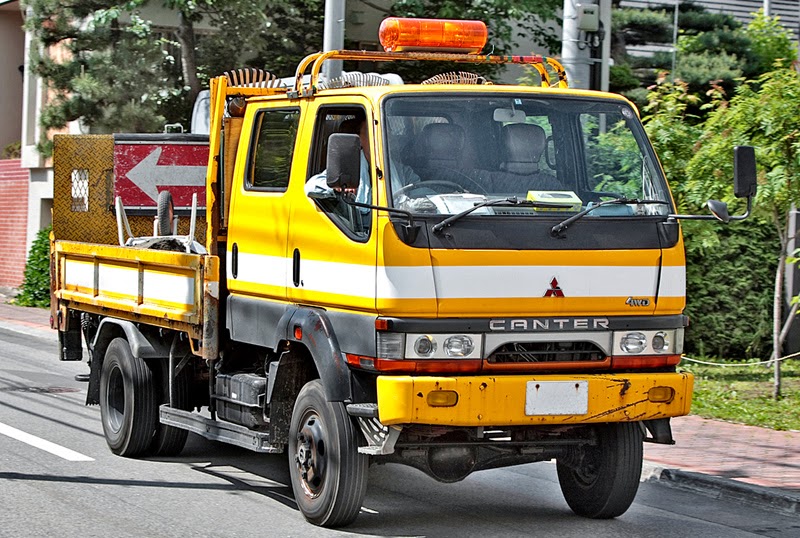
(215, 430)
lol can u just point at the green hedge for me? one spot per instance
(35, 290)
(730, 287)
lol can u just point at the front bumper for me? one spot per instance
(501, 400)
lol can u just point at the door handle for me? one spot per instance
(234, 260)
(296, 268)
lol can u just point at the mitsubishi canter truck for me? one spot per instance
(454, 275)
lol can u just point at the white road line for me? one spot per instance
(42, 444)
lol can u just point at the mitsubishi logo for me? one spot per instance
(554, 290)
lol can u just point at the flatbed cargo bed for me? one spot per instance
(156, 287)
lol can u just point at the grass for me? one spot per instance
(743, 394)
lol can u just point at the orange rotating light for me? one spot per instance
(432, 35)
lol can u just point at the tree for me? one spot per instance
(711, 47)
(108, 74)
(763, 113)
(293, 30)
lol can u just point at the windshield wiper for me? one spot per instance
(513, 200)
(561, 226)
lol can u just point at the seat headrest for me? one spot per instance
(440, 144)
(523, 145)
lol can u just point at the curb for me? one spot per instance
(772, 499)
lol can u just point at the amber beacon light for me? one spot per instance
(405, 35)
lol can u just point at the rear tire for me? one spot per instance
(165, 212)
(128, 404)
(329, 476)
(605, 482)
(169, 440)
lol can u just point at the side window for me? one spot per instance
(353, 221)
(274, 137)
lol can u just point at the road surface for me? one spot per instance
(58, 478)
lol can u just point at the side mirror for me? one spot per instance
(744, 171)
(744, 186)
(719, 210)
(344, 161)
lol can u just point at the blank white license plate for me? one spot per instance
(556, 398)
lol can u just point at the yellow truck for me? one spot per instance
(454, 275)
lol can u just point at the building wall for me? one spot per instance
(12, 45)
(13, 221)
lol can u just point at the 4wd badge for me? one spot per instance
(634, 301)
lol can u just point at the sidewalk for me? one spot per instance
(750, 464)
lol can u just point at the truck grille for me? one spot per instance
(546, 352)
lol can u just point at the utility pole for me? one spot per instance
(575, 55)
(675, 40)
(333, 36)
(605, 66)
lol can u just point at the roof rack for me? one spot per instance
(540, 63)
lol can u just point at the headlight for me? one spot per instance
(656, 342)
(425, 346)
(458, 345)
(660, 342)
(443, 346)
(633, 342)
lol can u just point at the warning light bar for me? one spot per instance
(432, 35)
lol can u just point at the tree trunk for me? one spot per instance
(185, 36)
(776, 313)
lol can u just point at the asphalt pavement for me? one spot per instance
(748, 464)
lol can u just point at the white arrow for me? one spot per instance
(147, 175)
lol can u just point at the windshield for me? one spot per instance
(447, 154)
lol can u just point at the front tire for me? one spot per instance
(329, 476)
(128, 404)
(604, 483)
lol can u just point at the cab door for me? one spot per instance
(257, 267)
(332, 246)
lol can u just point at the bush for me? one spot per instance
(35, 290)
(12, 151)
(730, 290)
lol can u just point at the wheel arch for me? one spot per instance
(319, 339)
(143, 344)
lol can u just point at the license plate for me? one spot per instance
(556, 398)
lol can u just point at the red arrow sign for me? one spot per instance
(147, 164)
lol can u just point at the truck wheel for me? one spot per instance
(604, 484)
(329, 476)
(128, 404)
(169, 440)
(165, 212)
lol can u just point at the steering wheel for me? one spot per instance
(440, 182)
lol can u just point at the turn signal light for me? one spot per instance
(661, 394)
(437, 35)
(442, 398)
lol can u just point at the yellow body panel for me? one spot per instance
(500, 400)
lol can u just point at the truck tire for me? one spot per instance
(606, 481)
(169, 440)
(165, 212)
(329, 476)
(128, 403)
